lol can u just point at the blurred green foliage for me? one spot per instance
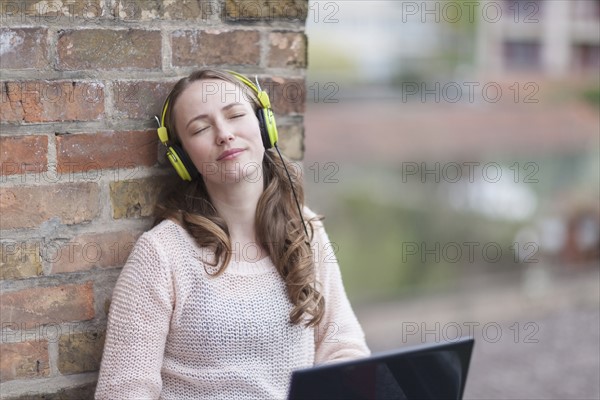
(375, 242)
(376, 220)
(324, 57)
(460, 41)
(592, 96)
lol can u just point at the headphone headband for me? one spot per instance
(263, 97)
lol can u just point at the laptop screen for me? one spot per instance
(430, 371)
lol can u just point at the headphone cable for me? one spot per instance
(293, 191)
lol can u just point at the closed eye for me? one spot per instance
(200, 130)
(239, 115)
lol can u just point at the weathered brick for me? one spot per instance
(20, 154)
(109, 249)
(191, 48)
(29, 206)
(136, 10)
(53, 12)
(140, 99)
(134, 198)
(287, 49)
(291, 141)
(81, 352)
(287, 95)
(289, 10)
(43, 305)
(192, 10)
(24, 360)
(24, 48)
(148, 10)
(20, 259)
(84, 152)
(109, 49)
(51, 101)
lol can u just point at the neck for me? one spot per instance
(236, 204)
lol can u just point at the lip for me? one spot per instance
(229, 154)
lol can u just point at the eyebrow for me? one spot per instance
(203, 116)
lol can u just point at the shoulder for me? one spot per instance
(165, 227)
(163, 240)
(307, 212)
(322, 247)
(315, 221)
(166, 234)
(176, 244)
(313, 217)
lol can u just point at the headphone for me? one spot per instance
(268, 130)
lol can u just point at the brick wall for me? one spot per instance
(79, 157)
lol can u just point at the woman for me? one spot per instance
(230, 291)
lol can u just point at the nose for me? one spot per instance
(223, 134)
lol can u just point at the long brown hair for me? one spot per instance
(279, 229)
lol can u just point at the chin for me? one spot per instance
(237, 172)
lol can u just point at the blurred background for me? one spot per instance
(453, 147)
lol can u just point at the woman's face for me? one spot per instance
(219, 130)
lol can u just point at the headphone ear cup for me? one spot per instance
(268, 128)
(263, 129)
(181, 162)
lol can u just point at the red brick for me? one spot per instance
(51, 101)
(289, 10)
(43, 305)
(109, 249)
(30, 206)
(24, 48)
(20, 154)
(109, 49)
(191, 48)
(24, 360)
(84, 152)
(287, 49)
(287, 95)
(140, 99)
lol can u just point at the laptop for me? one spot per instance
(426, 371)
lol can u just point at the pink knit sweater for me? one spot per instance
(174, 332)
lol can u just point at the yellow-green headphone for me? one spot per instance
(268, 129)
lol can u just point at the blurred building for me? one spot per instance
(379, 41)
(368, 40)
(558, 38)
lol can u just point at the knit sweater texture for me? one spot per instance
(175, 332)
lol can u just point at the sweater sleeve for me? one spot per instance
(138, 324)
(339, 336)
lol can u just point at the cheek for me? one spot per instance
(253, 129)
(197, 150)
